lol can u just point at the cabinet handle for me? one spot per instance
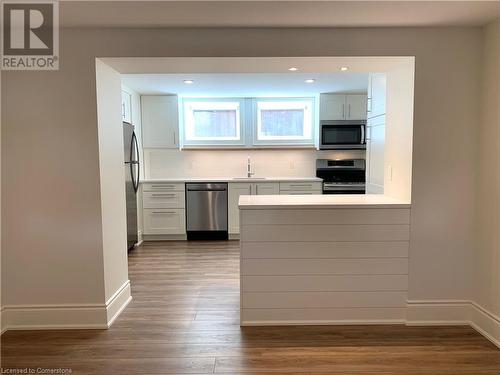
(256, 189)
(163, 212)
(162, 186)
(250, 189)
(343, 110)
(175, 141)
(349, 111)
(163, 195)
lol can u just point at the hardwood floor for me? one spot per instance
(184, 319)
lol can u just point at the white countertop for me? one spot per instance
(256, 202)
(232, 179)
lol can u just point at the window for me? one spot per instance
(247, 122)
(287, 121)
(208, 122)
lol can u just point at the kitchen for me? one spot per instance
(329, 154)
(413, 268)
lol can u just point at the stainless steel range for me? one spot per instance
(346, 176)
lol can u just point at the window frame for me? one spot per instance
(186, 107)
(308, 140)
(248, 120)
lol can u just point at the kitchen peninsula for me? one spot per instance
(323, 259)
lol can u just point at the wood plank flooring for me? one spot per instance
(184, 319)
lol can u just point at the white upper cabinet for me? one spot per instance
(332, 107)
(160, 121)
(355, 107)
(342, 107)
(376, 95)
(126, 107)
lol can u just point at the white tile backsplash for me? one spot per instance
(168, 163)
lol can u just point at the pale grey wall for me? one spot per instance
(50, 171)
(488, 250)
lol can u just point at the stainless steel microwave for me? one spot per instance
(342, 135)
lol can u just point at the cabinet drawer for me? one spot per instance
(161, 186)
(164, 221)
(301, 186)
(160, 199)
(300, 192)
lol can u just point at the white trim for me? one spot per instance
(320, 322)
(118, 302)
(68, 316)
(455, 312)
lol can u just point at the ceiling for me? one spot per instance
(286, 13)
(246, 84)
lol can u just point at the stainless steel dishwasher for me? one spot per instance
(206, 211)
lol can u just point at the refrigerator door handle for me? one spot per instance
(134, 147)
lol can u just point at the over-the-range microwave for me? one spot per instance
(342, 135)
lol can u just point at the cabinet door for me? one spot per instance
(376, 95)
(356, 107)
(375, 155)
(160, 121)
(267, 188)
(126, 107)
(235, 190)
(164, 221)
(332, 107)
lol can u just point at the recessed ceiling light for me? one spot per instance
(293, 69)
(310, 80)
(188, 81)
(344, 68)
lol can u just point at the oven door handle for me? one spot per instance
(363, 138)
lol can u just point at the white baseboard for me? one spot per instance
(3, 325)
(453, 312)
(117, 303)
(485, 322)
(70, 316)
(249, 323)
(437, 312)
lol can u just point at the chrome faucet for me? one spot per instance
(249, 168)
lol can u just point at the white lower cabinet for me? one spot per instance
(164, 208)
(236, 189)
(164, 221)
(296, 188)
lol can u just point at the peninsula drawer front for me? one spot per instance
(174, 199)
(301, 186)
(160, 186)
(164, 221)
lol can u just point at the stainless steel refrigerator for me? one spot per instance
(131, 181)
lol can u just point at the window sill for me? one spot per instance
(256, 147)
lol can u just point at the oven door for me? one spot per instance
(335, 135)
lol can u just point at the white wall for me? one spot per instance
(112, 182)
(487, 249)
